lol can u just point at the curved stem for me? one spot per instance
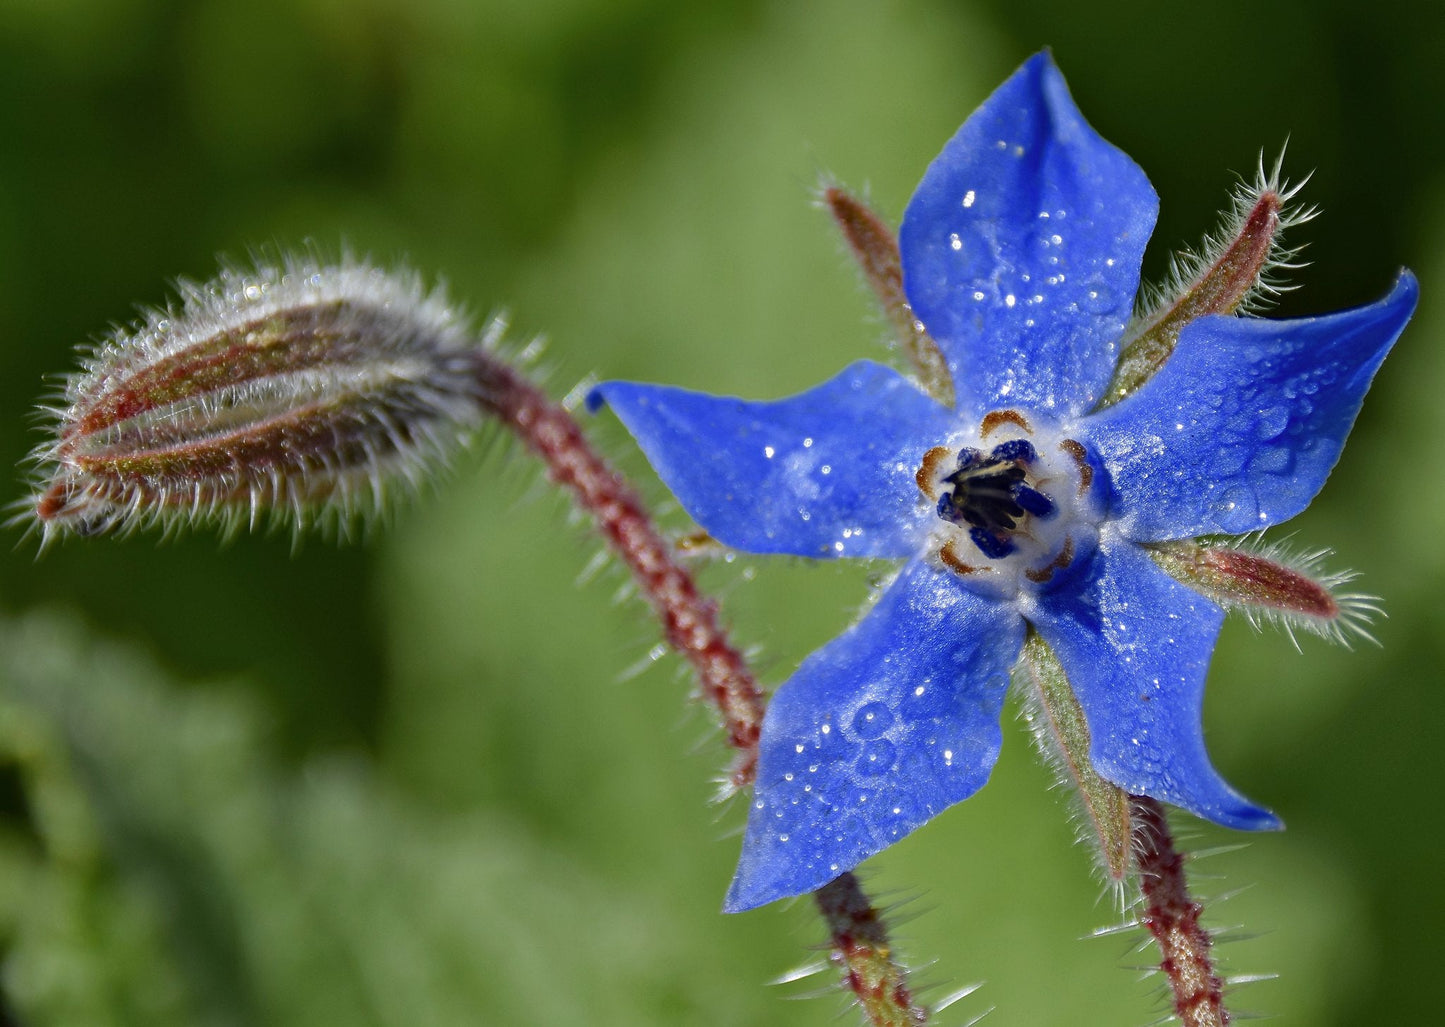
(690, 623)
(689, 619)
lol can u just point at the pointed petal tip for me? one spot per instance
(1406, 290)
(597, 396)
(987, 225)
(1245, 817)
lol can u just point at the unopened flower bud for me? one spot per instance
(292, 393)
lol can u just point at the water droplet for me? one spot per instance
(1272, 422)
(1239, 510)
(879, 757)
(1229, 461)
(1273, 460)
(1098, 297)
(872, 720)
(926, 702)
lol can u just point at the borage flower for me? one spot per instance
(1035, 503)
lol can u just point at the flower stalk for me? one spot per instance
(1173, 919)
(689, 619)
(862, 951)
(858, 936)
(300, 392)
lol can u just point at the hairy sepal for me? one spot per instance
(293, 392)
(1269, 582)
(1237, 270)
(1062, 734)
(874, 245)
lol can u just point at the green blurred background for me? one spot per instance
(419, 780)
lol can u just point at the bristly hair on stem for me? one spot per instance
(861, 949)
(1173, 919)
(690, 619)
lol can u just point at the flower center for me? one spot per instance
(992, 495)
(1014, 509)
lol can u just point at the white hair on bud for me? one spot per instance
(1188, 266)
(1355, 611)
(1321, 604)
(289, 392)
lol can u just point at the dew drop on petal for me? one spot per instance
(1272, 422)
(1239, 510)
(872, 720)
(879, 757)
(1272, 460)
(1098, 297)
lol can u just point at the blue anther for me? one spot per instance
(1016, 450)
(1032, 500)
(993, 546)
(967, 457)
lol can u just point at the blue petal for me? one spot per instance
(829, 472)
(1242, 425)
(881, 729)
(1135, 645)
(1021, 249)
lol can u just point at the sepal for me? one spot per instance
(1235, 271)
(1062, 735)
(1272, 583)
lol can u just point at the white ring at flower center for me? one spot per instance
(1045, 545)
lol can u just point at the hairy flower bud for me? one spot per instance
(296, 393)
(1269, 582)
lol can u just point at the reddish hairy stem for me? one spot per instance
(1173, 919)
(861, 949)
(690, 624)
(689, 619)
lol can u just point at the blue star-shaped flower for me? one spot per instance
(1025, 504)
